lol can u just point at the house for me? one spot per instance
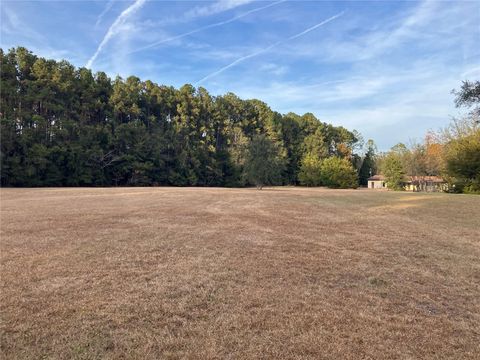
(377, 182)
(425, 183)
(412, 183)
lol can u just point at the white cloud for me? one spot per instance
(395, 79)
(106, 9)
(383, 103)
(274, 69)
(215, 8)
(429, 26)
(204, 12)
(12, 24)
(17, 31)
(473, 72)
(115, 28)
(261, 51)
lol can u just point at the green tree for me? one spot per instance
(315, 144)
(463, 162)
(462, 145)
(292, 139)
(310, 170)
(369, 166)
(263, 164)
(393, 170)
(468, 96)
(338, 173)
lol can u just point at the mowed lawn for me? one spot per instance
(198, 273)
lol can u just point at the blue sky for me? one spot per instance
(384, 68)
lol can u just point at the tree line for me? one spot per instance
(67, 126)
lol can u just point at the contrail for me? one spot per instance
(317, 26)
(105, 10)
(205, 27)
(268, 48)
(113, 28)
(236, 62)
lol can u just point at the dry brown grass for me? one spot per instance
(284, 273)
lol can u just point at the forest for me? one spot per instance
(67, 126)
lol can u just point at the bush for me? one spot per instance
(473, 189)
(463, 162)
(310, 170)
(338, 173)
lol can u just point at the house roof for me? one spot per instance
(410, 179)
(435, 179)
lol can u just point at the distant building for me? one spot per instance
(377, 182)
(426, 183)
(412, 183)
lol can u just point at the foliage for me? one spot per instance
(462, 141)
(63, 126)
(393, 171)
(369, 165)
(338, 173)
(310, 170)
(468, 95)
(419, 160)
(263, 164)
(434, 155)
(463, 162)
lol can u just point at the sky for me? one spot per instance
(384, 68)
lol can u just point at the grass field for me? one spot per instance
(282, 273)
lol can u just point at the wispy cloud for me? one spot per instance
(429, 24)
(104, 12)
(114, 28)
(473, 72)
(386, 70)
(206, 27)
(12, 24)
(316, 26)
(256, 53)
(215, 8)
(379, 101)
(274, 69)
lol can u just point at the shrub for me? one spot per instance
(338, 173)
(310, 170)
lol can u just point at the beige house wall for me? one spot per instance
(376, 184)
(423, 185)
